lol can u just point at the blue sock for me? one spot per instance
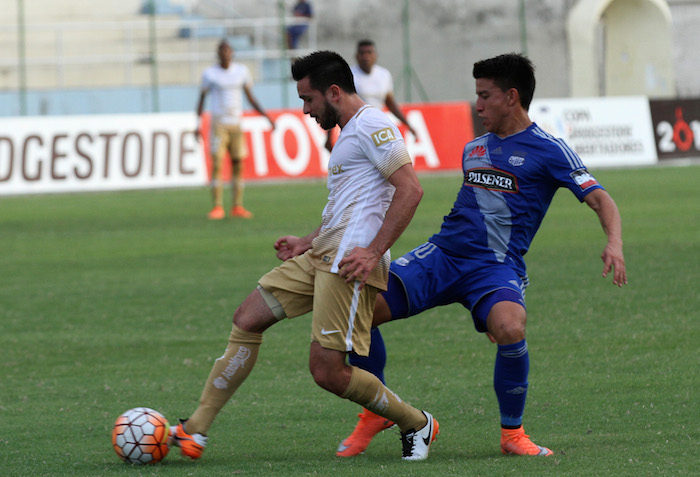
(376, 361)
(510, 382)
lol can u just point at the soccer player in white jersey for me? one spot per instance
(510, 177)
(337, 270)
(373, 83)
(226, 82)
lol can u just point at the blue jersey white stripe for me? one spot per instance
(508, 186)
(574, 161)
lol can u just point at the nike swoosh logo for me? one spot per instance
(426, 440)
(329, 332)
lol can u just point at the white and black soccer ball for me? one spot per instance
(140, 436)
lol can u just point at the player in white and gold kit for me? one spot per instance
(226, 82)
(373, 82)
(337, 270)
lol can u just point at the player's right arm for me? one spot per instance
(290, 246)
(200, 108)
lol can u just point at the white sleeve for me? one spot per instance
(382, 143)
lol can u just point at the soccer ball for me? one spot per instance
(140, 436)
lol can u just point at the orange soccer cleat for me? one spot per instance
(217, 213)
(240, 211)
(191, 445)
(370, 425)
(515, 441)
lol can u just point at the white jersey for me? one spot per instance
(226, 91)
(368, 151)
(373, 87)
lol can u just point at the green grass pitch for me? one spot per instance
(116, 300)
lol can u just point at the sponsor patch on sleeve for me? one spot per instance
(583, 179)
(383, 136)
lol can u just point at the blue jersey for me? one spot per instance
(508, 186)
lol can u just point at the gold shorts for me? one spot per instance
(227, 138)
(342, 317)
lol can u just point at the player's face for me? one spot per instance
(491, 105)
(316, 105)
(225, 54)
(366, 57)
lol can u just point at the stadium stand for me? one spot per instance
(87, 60)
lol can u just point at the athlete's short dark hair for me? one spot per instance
(324, 68)
(511, 70)
(365, 42)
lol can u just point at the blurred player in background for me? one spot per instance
(226, 81)
(301, 10)
(510, 177)
(337, 270)
(373, 83)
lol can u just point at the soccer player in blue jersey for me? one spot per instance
(510, 177)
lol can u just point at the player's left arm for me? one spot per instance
(393, 106)
(254, 103)
(362, 260)
(608, 214)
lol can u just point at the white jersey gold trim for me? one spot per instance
(226, 91)
(368, 151)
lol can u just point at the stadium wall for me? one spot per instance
(461, 31)
(133, 100)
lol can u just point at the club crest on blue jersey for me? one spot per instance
(516, 161)
(584, 179)
(491, 179)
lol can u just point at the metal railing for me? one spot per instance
(80, 55)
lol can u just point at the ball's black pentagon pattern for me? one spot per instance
(140, 436)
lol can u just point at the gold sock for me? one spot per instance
(217, 193)
(237, 183)
(227, 374)
(368, 391)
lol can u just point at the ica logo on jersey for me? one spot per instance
(383, 136)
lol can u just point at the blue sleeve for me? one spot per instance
(568, 171)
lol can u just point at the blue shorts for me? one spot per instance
(426, 277)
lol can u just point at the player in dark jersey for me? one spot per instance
(510, 177)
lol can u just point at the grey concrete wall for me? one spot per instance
(447, 36)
